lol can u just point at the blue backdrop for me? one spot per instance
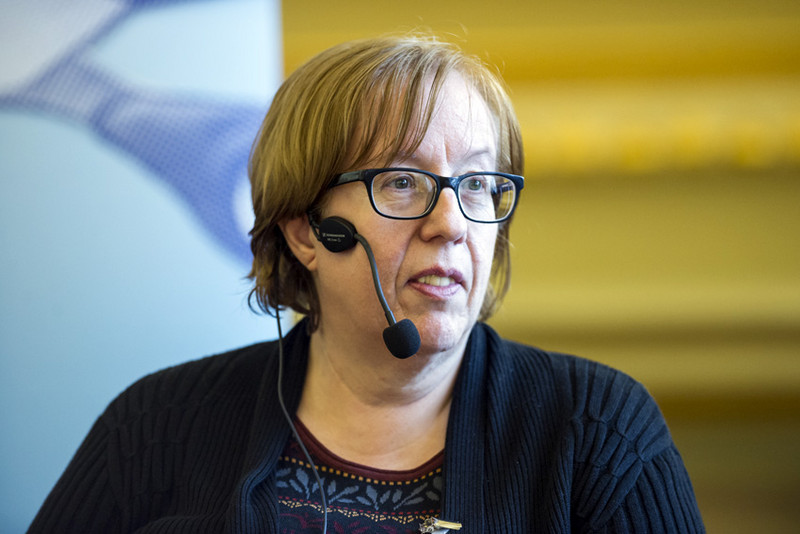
(124, 132)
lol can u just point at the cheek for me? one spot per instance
(483, 251)
(343, 283)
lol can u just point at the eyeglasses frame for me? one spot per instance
(366, 176)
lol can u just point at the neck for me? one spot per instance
(371, 408)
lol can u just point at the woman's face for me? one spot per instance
(434, 270)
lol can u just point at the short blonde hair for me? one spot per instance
(337, 111)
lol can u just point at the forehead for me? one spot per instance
(461, 131)
(441, 114)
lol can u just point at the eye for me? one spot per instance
(478, 185)
(475, 184)
(394, 181)
(401, 182)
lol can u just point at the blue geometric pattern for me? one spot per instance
(197, 146)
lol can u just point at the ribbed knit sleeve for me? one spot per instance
(662, 500)
(628, 475)
(165, 456)
(83, 490)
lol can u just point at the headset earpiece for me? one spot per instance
(337, 234)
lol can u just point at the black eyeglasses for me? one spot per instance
(403, 193)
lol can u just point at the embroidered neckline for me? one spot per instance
(334, 462)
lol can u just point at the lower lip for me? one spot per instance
(436, 292)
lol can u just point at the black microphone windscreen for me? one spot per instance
(402, 339)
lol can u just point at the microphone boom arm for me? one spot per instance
(375, 279)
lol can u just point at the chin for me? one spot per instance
(441, 336)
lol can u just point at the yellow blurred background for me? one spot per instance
(658, 231)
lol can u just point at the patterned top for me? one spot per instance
(361, 499)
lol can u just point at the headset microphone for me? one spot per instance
(338, 235)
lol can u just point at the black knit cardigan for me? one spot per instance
(536, 442)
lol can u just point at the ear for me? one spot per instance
(301, 240)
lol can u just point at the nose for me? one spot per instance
(446, 220)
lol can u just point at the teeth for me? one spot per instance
(440, 281)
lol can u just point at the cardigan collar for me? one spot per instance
(464, 470)
(255, 508)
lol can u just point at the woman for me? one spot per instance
(351, 177)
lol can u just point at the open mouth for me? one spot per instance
(434, 280)
(438, 282)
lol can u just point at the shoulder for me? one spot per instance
(586, 395)
(218, 378)
(598, 426)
